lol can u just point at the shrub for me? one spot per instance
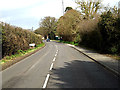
(110, 30)
(16, 38)
(89, 33)
(66, 26)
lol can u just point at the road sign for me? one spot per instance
(32, 45)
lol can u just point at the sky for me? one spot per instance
(28, 13)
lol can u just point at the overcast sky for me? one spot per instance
(28, 13)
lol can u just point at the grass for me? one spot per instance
(20, 53)
(114, 56)
(76, 44)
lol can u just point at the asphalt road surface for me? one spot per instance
(58, 66)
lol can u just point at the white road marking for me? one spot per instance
(24, 61)
(35, 64)
(51, 66)
(48, 75)
(57, 51)
(46, 81)
(54, 59)
(55, 54)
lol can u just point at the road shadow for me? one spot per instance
(82, 74)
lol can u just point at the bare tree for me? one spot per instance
(89, 8)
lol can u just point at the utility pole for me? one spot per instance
(119, 9)
(32, 29)
(0, 44)
(63, 6)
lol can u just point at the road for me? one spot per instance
(58, 66)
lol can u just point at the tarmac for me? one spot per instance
(105, 61)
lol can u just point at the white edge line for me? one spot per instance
(17, 63)
(32, 66)
(23, 60)
(35, 64)
(46, 80)
(51, 66)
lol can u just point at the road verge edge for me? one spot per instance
(18, 59)
(116, 73)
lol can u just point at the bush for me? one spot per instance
(113, 49)
(110, 30)
(66, 27)
(89, 34)
(16, 38)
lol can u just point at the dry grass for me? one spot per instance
(116, 57)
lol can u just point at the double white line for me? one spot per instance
(51, 67)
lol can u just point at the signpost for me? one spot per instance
(32, 45)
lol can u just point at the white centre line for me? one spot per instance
(54, 59)
(51, 66)
(57, 51)
(48, 75)
(55, 54)
(46, 81)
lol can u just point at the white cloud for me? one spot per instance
(52, 8)
(110, 2)
(30, 12)
(5, 19)
(13, 4)
(70, 3)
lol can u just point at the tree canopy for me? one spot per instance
(68, 8)
(67, 24)
(89, 8)
(47, 26)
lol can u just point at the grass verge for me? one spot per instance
(19, 54)
(73, 43)
(114, 56)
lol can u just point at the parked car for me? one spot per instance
(48, 40)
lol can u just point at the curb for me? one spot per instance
(106, 67)
(18, 59)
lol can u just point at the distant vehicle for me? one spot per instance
(48, 40)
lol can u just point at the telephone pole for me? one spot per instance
(119, 9)
(32, 29)
(63, 6)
